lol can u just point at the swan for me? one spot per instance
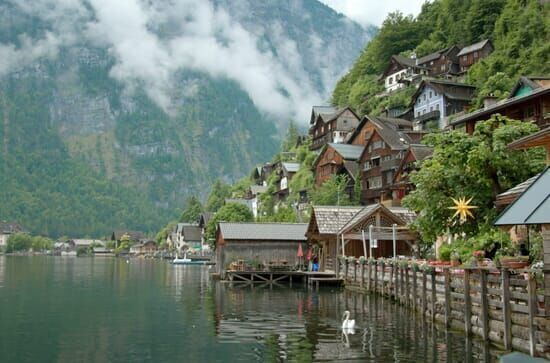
(347, 323)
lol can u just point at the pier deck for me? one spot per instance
(270, 277)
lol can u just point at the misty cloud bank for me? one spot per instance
(151, 41)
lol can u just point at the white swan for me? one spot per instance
(347, 323)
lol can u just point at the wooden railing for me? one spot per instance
(499, 305)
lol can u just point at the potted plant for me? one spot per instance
(514, 262)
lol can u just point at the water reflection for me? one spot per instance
(93, 309)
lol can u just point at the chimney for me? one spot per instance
(489, 101)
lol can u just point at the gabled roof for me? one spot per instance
(325, 112)
(340, 111)
(512, 194)
(493, 109)
(330, 219)
(434, 55)
(451, 90)
(531, 82)
(402, 61)
(352, 167)
(380, 121)
(204, 218)
(263, 231)
(368, 211)
(10, 227)
(192, 233)
(474, 47)
(420, 151)
(348, 152)
(395, 139)
(532, 206)
(291, 167)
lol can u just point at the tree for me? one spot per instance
(19, 242)
(231, 212)
(219, 192)
(478, 167)
(332, 192)
(192, 210)
(291, 137)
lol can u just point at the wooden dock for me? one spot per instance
(308, 278)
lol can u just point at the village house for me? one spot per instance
(285, 171)
(529, 101)
(337, 159)
(471, 54)
(331, 128)
(204, 219)
(322, 232)
(6, 230)
(401, 72)
(252, 194)
(356, 234)
(144, 248)
(364, 130)
(402, 185)
(442, 63)
(379, 161)
(258, 244)
(133, 236)
(188, 237)
(435, 100)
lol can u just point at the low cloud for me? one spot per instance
(151, 41)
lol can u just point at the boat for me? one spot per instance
(190, 261)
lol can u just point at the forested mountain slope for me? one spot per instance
(519, 30)
(112, 114)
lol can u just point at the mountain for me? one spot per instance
(113, 113)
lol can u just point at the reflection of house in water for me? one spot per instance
(2, 268)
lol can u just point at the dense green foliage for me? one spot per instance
(332, 192)
(463, 166)
(218, 193)
(192, 210)
(231, 212)
(24, 242)
(519, 30)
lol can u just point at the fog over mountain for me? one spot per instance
(160, 97)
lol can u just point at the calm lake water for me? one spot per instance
(55, 309)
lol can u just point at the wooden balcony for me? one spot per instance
(432, 115)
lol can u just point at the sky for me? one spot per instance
(373, 12)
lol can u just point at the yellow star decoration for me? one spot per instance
(462, 208)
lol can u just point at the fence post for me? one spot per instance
(391, 284)
(408, 286)
(484, 307)
(376, 277)
(434, 291)
(362, 281)
(424, 294)
(414, 288)
(506, 310)
(533, 307)
(467, 303)
(382, 287)
(447, 275)
(368, 276)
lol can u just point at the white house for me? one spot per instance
(400, 72)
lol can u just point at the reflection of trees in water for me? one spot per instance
(300, 325)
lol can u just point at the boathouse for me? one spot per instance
(258, 246)
(373, 230)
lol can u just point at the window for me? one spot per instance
(443, 68)
(375, 161)
(475, 55)
(432, 63)
(375, 182)
(431, 108)
(430, 94)
(389, 177)
(329, 127)
(390, 80)
(379, 144)
(437, 107)
(464, 58)
(424, 96)
(417, 114)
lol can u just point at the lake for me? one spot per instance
(55, 309)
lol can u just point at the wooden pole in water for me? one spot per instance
(394, 236)
(364, 243)
(370, 240)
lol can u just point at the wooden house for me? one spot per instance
(6, 230)
(364, 130)
(258, 243)
(401, 72)
(471, 54)
(442, 62)
(435, 100)
(332, 128)
(204, 219)
(133, 236)
(401, 186)
(144, 248)
(188, 237)
(356, 233)
(285, 171)
(379, 161)
(529, 101)
(322, 232)
(337, 159)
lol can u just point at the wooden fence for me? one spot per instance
(498, 305)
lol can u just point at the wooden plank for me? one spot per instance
(484, 307)
(414, 289)
(467, 304)
(392, 285)
(533, 306)
(369, 268)
(407, 287)
(506, 312)
(383, 271)
(447, 275)
(362, 281)
(433, 296)
(424, 294)
(375, 278)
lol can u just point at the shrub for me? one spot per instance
(445, 252)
